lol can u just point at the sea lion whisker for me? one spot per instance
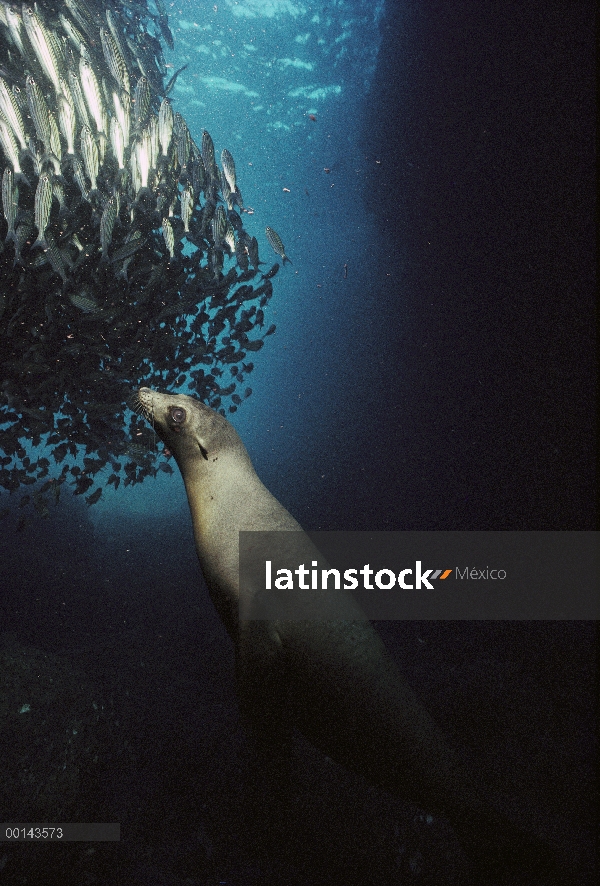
(138, 406)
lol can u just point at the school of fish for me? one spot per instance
(124, 259)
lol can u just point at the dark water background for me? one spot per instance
(447, 382)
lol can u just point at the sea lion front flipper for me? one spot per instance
(262, 686)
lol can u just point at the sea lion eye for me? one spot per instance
(178, 414)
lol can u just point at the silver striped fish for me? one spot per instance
(84, 303)
(79, 176)
(83, 17)
(229, 238)
(107, 223)
(77, 98)
(228, 165)
(55, 258)
(169, 236)
(219, 225)
(198, 173)
(277, 244)
(165, 126)
(12, 113)
(152, 130)
(89, 151)
(74, 35)
(23, 234)
(8, 142)
(39, 110)
(93, 95)
(10, 201)
(58, 192)
(187, 206)
(15, 26)
(114, 59)
(42, 206)
(141, 102)
(208, 154)
(142, 154)
(184, 144)
(122, 104)
(117, 141)
(55, 148)
(68, 122)
(43, 45)
(133, 242)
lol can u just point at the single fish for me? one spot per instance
(23, 233)
(12, 113)
(58, 192)
(107, 223)
(114, 59)
(141, 103)
(42, 207)
(253, 252)
(15, 26)
(42, 44)
(173, 80)
(117, 141)
(130, 247)
(74, 35)
(140, 163)
(79, 176)
(84, 302)
(168, 236)
(111, 21)
(163, 23)
(165, 126)
(198, 173)
(11, 149)
(184, 140)
(277, 244)
(270, 274)
(122, 104)
(83, 17)
(241, 254)
(77, 99)
(10, 201)
(89, 151)
(228, 165)
(208, 154)
(94, 497)
(229, 238)
(55, 148)
(93, 94)
(38, 109)
(187, 206)
(54, 256)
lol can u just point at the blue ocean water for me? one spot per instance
(430, 369)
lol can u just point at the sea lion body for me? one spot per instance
(333, 680)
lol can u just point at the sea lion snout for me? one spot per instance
(142, 402)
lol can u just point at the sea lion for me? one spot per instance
(334, 680)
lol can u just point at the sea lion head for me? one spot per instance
(193, 432)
